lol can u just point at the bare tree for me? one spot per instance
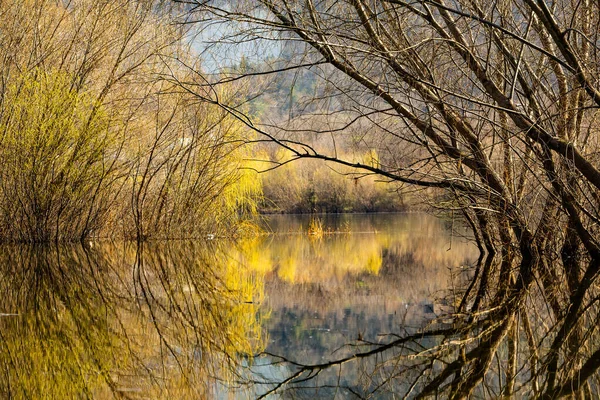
(492, 104)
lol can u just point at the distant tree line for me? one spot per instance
(313, 187)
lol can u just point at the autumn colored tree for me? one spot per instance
(95, 143)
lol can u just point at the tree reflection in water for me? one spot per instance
(495, 337)
(130, 322)
(169, 320)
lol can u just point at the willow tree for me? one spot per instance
(493, 106)
(93, 142)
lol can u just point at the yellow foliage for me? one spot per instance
(374, 263)
(371, 158)
(315, 228)
(53, 150)
(287, 269)
(94, 142)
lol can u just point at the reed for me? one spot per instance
(315, 227)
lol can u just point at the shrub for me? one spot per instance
(54, 157)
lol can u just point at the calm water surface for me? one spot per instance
(374, 275)
(178, 319)
(387, 272)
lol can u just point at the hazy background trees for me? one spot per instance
(492, 108)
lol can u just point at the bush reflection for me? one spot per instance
(134, 321)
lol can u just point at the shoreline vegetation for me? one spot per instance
(101, 140)
(304, 187)
(97, 142)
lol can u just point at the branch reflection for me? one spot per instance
(154, 321)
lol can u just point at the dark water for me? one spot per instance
(181, 319)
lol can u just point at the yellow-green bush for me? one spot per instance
(55, 157)
(96, 140)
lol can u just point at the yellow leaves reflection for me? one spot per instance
(158, 320)
(298, 258)
(135, 322)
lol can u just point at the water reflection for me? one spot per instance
(345, 329)
(358, 245)
(184, 319)
(376, 276)
(151, 321)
